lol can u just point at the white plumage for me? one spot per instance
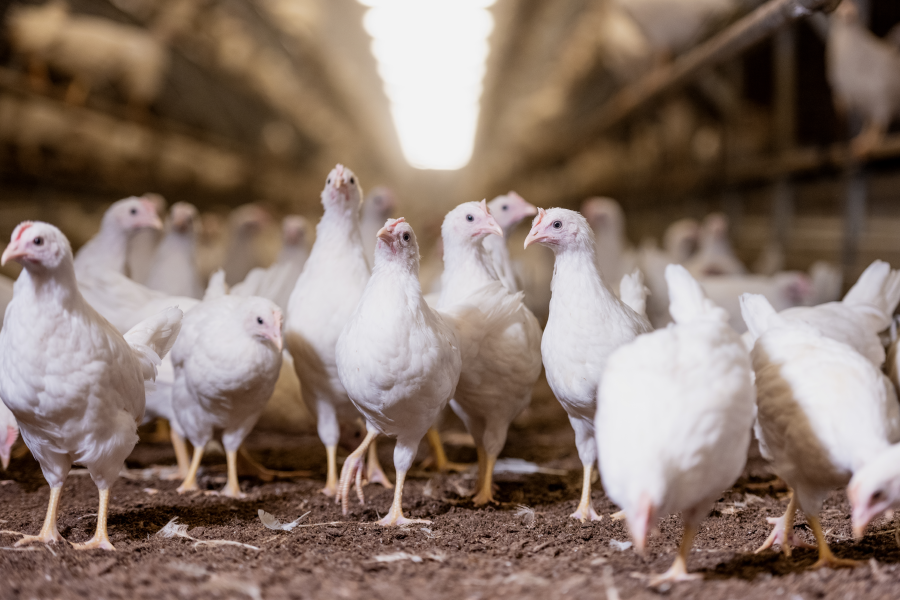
(615, 257)
(783, 290)
(79, 394)
(226, 362)
(243, 251)
(679, 243)
(674, 415)
(508, 210)
(587, 324)
(398, 359)
(174, 268)
(497, 378)
(378, 206)
(824, 412)
(108, 249)
(715, 255)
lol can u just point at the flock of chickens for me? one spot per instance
(666, 413)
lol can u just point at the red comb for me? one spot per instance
(17, 234)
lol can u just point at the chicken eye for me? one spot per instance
(470, 218)
(557, 224)
(134, 211)
(352, 180)
(37, 241)
(504, 207)
(328, 180)
(405, 237)
(259, 320)
(877, 496)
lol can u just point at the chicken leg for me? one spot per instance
(349, 473)
(331, 479)
(438, 458)
(395, 515)
(585, 508)
(101, 538)
(49, 533)
(783, 531)
(678, 570)
(374, 472)
(190, 481)
(484, 493)
(232, 488)
(826, 557)
(181, 455)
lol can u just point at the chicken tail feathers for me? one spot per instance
(687, 302)
(633, 292)
(757, 312)
(877, 288)
(152, 338)
(216, 287)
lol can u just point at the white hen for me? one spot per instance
(715, 255)
(174, 268)
(674, 415)
(143, 243)
(615, 257)
(783, 290)
(679, 243)
(323, 300)
(824, 412)
(508, 210)
(398, 360)
(378, 206)
(227, 361)
(79, 394)
(587, 324)
(496, 379)
(108, 249)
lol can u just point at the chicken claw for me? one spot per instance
(353, 464)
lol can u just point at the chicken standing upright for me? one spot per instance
(496, 380)
(674, 415)
(226, 361)
(378, 206)
(615, 258)
(174, 268)
(245, 224)
(79, 394)
(864, 73)
(323, 300)
(398, 360)
(508, 210)
(108, 249)
(824, 413)
(143, 243)
(587, 324)
(714, 255)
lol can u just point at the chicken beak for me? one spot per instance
(12, 252)
(491, 227)
(533, 236)
(277, 340)
(385, 236)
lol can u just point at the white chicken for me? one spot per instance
(783, 290)
(674, 415)
(323, 300)
(679, 243)
(243, 253)
(277, 281)
(508, 210)
(79, 394)
(108, 249)
(143, 242)
(378, 206)
(714, 255)
(615, 257)
(587, 324)
(398, 360)
(226, 361)
(174, 269)
(864, 73)
(9, 432)
(496, 379)
(824, 412)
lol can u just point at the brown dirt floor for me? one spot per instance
(465, 553)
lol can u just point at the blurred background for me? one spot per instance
(675, 108)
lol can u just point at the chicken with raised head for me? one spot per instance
(864, 73)
(246, 223)
(674, 415)
(508, 210)
(323, 300)
(79, 394)
(499, 372)
(398, 359)
(615, 257)
(227, 361)
(174, 269)
(824, 412)
(378, 206)
(587, 324)
(143, 243)
(714, 256)
(277, 281)
(108, 249)
(9, 432)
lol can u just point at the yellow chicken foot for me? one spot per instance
(585, 508)
(438, 459)
(783, 532)
(49, 534)
(485, 492)
(101, 538)
(331, 479)
(232, 488)
(678, 570)
(349, 472)
(181, 455)
(190, 481)
(374, 472)
(247, 465)
(395, 516)
(826, 557)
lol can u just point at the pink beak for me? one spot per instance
(14, 251)
(534, 235)
(338, 180)
(274, 332)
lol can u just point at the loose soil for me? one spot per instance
(466, 552)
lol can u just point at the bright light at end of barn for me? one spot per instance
(432, 56)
